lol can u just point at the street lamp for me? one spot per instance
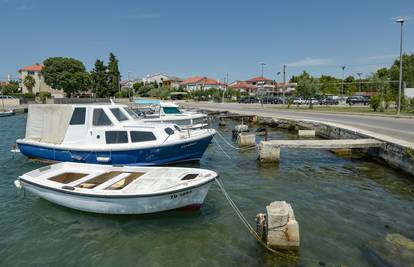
(401, 21)
(360, 82)
(342, 86)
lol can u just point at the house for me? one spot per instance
(243, 87)
(40, 86)
(172, 82)
(262, 83)
(157, 78)
(201, 83)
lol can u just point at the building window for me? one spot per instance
(116, 137)
(30, 72)
(139, 136)
(100, 118)
(119, 115)
(78, 116)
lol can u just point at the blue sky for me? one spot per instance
(187, 38)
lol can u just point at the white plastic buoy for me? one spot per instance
(18, 184)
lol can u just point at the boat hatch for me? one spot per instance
(125, 181)
(67, 177)
(97, 180)
(189, 177)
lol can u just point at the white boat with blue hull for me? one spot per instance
(118, 189)
(107, 134)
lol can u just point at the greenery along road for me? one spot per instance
(400, 128)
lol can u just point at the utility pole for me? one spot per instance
(226, 81)
(284, 83)
(360, 82)
(400, 83)
(262, 64)
(129, 88)
(342, 85)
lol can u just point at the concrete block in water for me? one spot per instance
(306, 133)
(244, 139)
(269, 152)
(282, 227)
(240, 128)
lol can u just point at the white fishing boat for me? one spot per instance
(167, 112)
(6, 112)
(118, 189)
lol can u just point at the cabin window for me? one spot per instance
(100, 118)
(131, 113)
(116, 137)
(78, 116)
(177, 128)
(171, 110)
(119, 115)
(169, 131)
(138, 136)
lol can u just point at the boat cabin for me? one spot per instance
(94, 125)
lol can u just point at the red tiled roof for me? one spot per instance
(200, 80)
(258, 79)
(35, 67)
(242, 84)
(4, 83)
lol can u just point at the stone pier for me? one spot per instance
(245, 139)
(269, 151)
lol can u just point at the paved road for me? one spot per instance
(400, 128)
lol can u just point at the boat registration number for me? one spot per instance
(181, 194)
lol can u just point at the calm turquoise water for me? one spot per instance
(340, 204)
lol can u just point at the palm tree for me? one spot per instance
(29, 82)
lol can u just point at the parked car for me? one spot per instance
(6, 97)
(272, 100)
(249, 99)
(352, 100)
(329, 101)
(298, 101)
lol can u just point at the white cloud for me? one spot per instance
(307, 62)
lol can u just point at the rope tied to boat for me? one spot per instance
(246, 223)
(232, 146)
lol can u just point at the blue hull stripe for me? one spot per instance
(192, 150)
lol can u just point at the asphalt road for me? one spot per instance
(400, 128)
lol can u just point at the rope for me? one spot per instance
(232, 146)
(218, 144)
(249, 227)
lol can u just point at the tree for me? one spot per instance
(308, 89)
(113, 74)
(350, 85)
(100, 79)
(29, 82)
(65, 73)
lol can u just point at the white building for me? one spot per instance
(159, 78)
(40, 86)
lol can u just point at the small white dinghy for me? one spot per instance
(118, 189)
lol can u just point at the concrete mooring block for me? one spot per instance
(269, 152)
(278, 227)
(244, 139)
(306, 133)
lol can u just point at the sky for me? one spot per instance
(208, 38)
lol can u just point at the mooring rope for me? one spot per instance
(232, 146)
(221, 148)
(249, 227)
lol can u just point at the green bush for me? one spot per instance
(29, 95)
(43, 95)
(375, 102)
(124, 93)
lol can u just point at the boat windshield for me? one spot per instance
(171, 110)
(131, 113)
